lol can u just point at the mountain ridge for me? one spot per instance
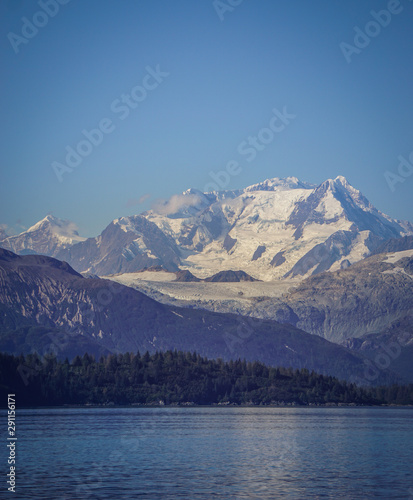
(279, 228)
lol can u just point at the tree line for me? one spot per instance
(176, 378)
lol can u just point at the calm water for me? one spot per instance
(228, 453)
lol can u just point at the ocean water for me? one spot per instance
(211, 453)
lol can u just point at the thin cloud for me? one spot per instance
(176, 203)
(133, 202)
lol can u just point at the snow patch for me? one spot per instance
(395, 257)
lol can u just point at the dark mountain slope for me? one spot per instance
(230, 277)
(41, 292)
(395, 245)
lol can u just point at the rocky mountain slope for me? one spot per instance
(48, 306)
(229, 277)
(395, 245)
(365, 298)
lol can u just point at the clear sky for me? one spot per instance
(205, 78)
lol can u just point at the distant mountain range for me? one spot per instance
(325, 278)
(274, 229)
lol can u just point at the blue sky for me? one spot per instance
(225, 69)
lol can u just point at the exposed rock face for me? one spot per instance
(258, 252)
(278, 259)
(365, 298)
(230, 276)
(185, 277)
(395, 245)
(229, 243)
(221, 277)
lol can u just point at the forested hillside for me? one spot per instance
(176, 378)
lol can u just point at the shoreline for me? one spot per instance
(213, 405)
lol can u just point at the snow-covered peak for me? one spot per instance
(188, 204)
(342, 180)
(275, 227)
(58, 225)
(193, 191)
(339, 181)
(344, 192)
(126, 224)
(49, 219)
(279, 184)
(63, 230)
(48, 237)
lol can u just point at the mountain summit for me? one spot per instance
(48, 236)
(278, 184)
(279, 228)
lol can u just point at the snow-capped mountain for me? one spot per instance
(277, 228)
(127, 244)
(49, 236)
